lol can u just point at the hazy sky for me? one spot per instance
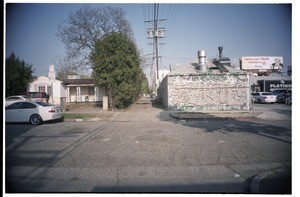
(242, 30)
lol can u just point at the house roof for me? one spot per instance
(80, 81)
(44, 79)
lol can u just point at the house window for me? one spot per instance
(91, 91)
(41, 88)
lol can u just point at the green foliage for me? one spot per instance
(116, 66)
(18, 75)
(145, 85)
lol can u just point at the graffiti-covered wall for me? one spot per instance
(206, 92)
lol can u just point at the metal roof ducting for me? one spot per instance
(202, 60)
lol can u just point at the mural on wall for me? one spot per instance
(206, 92)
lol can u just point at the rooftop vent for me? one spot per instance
(202, 60)
(220, 52)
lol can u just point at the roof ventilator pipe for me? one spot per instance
(202, 60)
(220, 52)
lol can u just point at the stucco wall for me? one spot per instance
(206, 92)
(163, 92)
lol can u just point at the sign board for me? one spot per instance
(262, 63)
(272, 85)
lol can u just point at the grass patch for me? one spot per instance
(72, 106)
(82, 116)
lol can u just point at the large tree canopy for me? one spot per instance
(83, 28)
(18, 75)
(116, 66)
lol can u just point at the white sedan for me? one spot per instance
(264, 97)
(12, 99)
(33, 112)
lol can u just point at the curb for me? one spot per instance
(74, 120)
(82, 119)
(255, 183)
(213, 115)
(272, 182)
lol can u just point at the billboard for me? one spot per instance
(272, 85)
(263, 63)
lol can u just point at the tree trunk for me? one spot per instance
(111, 103)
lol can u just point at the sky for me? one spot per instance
(246, 29)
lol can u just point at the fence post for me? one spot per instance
(105, 103)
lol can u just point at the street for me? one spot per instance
(145, 150)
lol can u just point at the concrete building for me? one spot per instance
(204, 86)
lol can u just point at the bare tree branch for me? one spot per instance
(83, 28)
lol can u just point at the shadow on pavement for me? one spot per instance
(206, 188)
(230, 123)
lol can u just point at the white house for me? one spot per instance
(53, 87)
(44, 84)
(83, 90)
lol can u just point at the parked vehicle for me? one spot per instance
(32, 112)
(12, 99)
(38, 96)
(276, 92)
(264, 97)
(280, 98)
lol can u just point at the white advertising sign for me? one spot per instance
(262, 63)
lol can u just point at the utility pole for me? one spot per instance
(156, 33)
(156, 6)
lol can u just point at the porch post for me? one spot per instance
(96, 94)
(78, 94)
(68, 94)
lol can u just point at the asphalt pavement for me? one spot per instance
(278, 181)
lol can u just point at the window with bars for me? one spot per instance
(42, 89)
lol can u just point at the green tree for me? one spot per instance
(116, 67)
(18, 75)
(145, 85)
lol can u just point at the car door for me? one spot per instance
(26, 110)
(12, 112)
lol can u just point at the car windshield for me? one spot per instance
(267, 94)
(43, 104)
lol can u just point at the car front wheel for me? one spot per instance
(35, 119)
